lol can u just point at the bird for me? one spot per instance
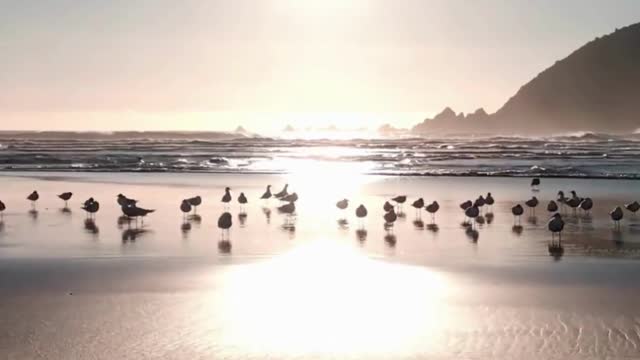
(226, 198)
(552, 206)
(288, 209)
(242, 200)
(517, 211)
(125, 201)
(284, 192)
(561, 199)
(465, 205)
(293, 197)
(342, 204)
(418, 205)
(399, 200)
(532, 203)
(361, 213)
(472, 212)
(91, 207)
(489, 201)
(433, 209)
(387, 206)
(479, 203)
(389, 218)
(555, 225)
(185, 207)
(132, 211)
(633, 207)
(267, 194)
(535, 183)
(66, 197)
(2, 209)
(33, 197)
(616, 216)
(574, 202)
(586, 204)
(195, 202)
(225, 221)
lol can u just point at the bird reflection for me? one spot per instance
(343, 224)
(131, 235)
(195, 218)
(65, 210)
(390, 240)
(489, 217)
(517, 229)
(433, 228)
(185, 227)
(242, 219)
(361, 234)
(267, 214)
(533, 220)
(122, 220)
(480, 220)
(472, 234)
(418, 224)
(616, 236)
(556, 250)
(224, 247)
(91, 226)
(1, 225)
(33, 213)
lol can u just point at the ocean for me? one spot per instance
(584, 155)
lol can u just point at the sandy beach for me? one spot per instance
(320, 289)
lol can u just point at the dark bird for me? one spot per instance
(226, 198)
(489, 200)
(125, 201)
(185, 207)
(472, 212)
(195, 202)
(91, 207)
(586, 204)
(267, 194)
(284, 192)
(574, 201)
(242, 200)
(633, 207)
(390, 218)
(479, 203)
(387, 206)
(399, 200)
(361, 212)
(616, 216)
(532, 203)
(288, 209)
(342, 204)
(535, 183)
(293, 197)
(552, 206)
(555, 225)
(465, 205)
(132, 211)
(33, 197)
(2, 208)
(517, 211)
(65, 197)
(433, 209)
(225, 221)
(418, 205)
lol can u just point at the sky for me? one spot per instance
(263, 64)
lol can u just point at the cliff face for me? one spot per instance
(596, 88)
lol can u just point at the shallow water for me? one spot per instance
(320, 289)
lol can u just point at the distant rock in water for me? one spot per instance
(596, 88)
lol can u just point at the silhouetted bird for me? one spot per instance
(633, 207)
(535, 183)
(555, 225)
(342, 204)
(91, 207)
(616, 215)
(225, 221)
(532, 203)
(284, 192)
(586, 204)
(465, 205)
(489, 200)
(552, 206)
(390, 218)
(195, 202)
(185, 207)
(418, 205)
(574, 201)
(387, 206)
(290, 198)
(472, 212)
(400, 200)
(433, 209)
(267, 194)
(361, 212)
(2, 208)
(288, 209)
(132, 211)
(479, 203)
(517, 211)
(125, 201)
(226, 198)
(33, 197)
(65, 197)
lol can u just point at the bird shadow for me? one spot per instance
(472, 234)
(390, 240)
(91, 226)
(361, 234)
(224, 247)
(131, 235)
(418, 224)
(433, 228)
(517, 229)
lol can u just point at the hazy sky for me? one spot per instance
(213, 65)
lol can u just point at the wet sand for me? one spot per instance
(319, 289)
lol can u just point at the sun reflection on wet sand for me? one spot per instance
(331, 299)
